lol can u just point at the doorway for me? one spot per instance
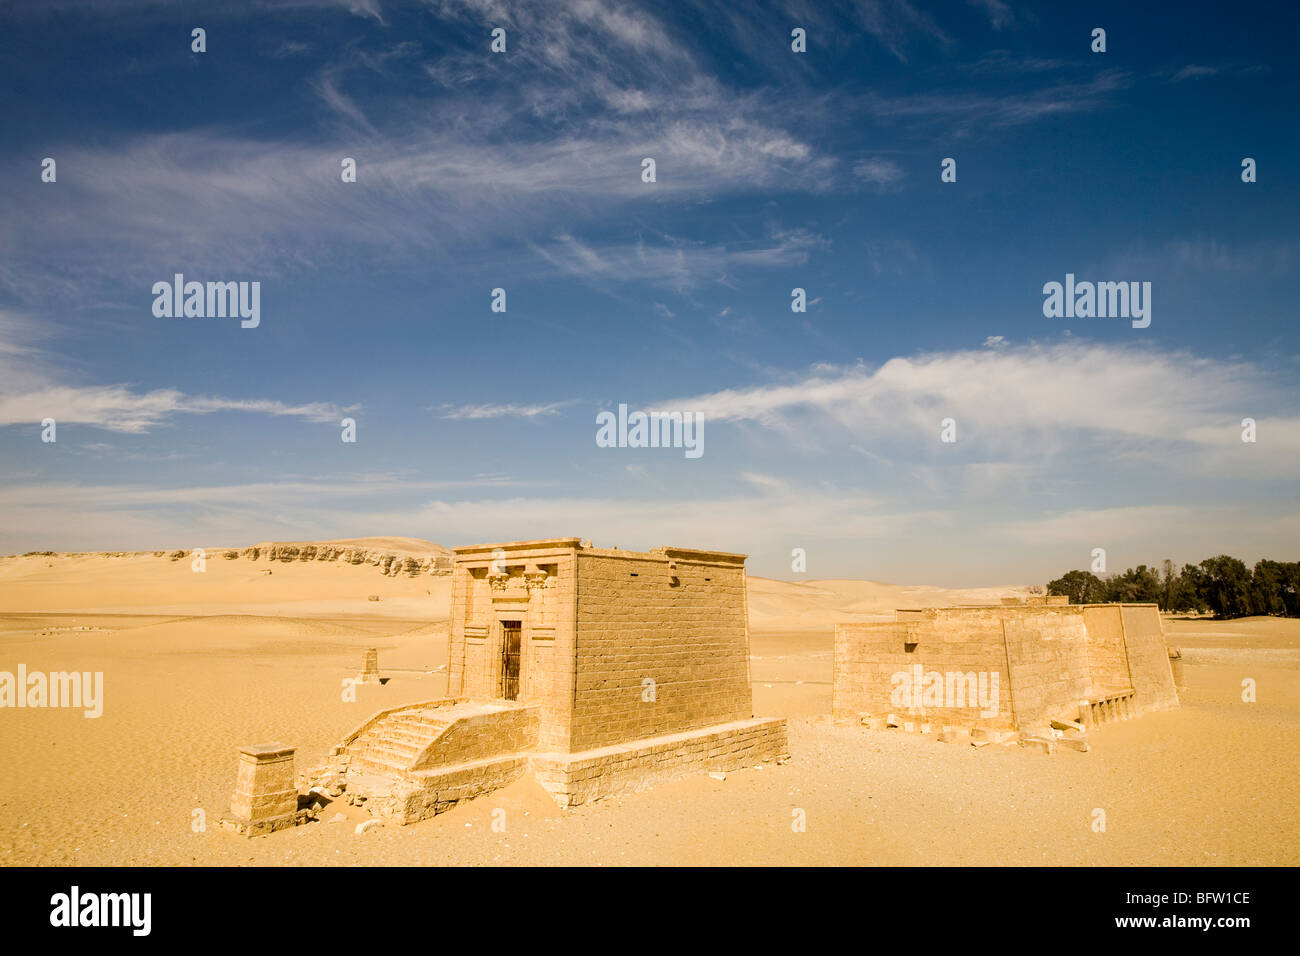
(511, 645)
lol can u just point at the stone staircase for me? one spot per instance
(411, 762)
(393, 746)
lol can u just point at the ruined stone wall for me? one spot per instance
(868, 656)
(1107, 655)
(1148, 657)
(635, 623)
(1047, 652)
(1050, 657)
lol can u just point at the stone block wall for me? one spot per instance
(1148, 657)
(643, 763)
(431, 792)
(1107, 655)
(872, 660)
(672, 616)
(1047, 655)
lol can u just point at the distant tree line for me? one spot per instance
(1223, 585)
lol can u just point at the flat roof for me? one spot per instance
(542, 544)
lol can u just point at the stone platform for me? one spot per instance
(575, 778)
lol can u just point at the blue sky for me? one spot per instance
(775, 170)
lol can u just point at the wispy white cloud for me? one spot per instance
(898, 24)
(1033, 401)
(474, 412)
(221, 204)
(33, 388)
(882, 173)
(968, 111)
(1192, 71)
(678, 264)
(118, 408)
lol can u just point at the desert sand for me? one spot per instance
(196, 664)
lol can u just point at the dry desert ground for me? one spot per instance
(196, 664)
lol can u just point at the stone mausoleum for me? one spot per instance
(1026, 667)
(597, 670)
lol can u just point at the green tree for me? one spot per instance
(1275, 588)
(1225, 586)
(1082, 587)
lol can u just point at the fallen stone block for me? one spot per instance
(1044, 745)
(1067, 725)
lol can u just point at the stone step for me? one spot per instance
(389, 748)
(397, 733)
(390, 752)
(415, 723)
(420, 738)
(378, 765)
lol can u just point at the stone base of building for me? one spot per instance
(426, 793)
(252, 828)
(575, 778)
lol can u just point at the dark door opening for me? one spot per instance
(511, 642)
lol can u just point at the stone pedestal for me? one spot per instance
(265, 797)
(370, 667)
